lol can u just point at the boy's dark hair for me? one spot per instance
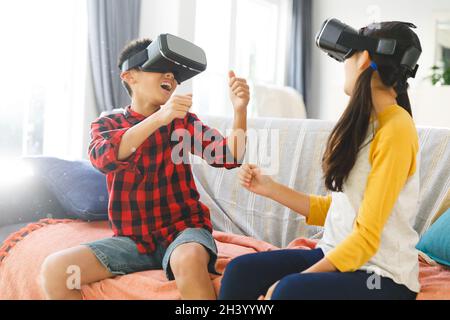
(130, 50)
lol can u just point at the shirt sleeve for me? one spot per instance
(209, 144)
(393, 159)
(104, 147)
(318, 209)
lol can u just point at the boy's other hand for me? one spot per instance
(176, 108)
(239, 92)
(251, 178)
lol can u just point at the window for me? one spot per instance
(44, 58)
(249, 36)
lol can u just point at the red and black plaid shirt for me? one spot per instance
(151, 197)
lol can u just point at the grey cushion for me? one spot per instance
(77, 185)
(28, 200)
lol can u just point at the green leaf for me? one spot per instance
(446, 77)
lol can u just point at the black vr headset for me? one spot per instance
(341, 41)
(169, 53)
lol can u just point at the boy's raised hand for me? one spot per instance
(239, 92)
(251, 178)
(176, 108)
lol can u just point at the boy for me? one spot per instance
(154, 208)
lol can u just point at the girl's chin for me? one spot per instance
(347, 91)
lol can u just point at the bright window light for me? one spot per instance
(13, 172)
(249, 36)
(44, 50)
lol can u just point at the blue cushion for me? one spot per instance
(28, 200)
(436, 241)
(77, 185)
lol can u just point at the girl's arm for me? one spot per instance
(313, 207)
(294, 200)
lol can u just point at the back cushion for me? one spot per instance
(28, 200)
(77, 185)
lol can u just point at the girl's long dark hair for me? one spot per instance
(350, 131)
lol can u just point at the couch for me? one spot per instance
(300, 144)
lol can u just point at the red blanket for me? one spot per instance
(22, 254)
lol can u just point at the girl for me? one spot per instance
(370, 166)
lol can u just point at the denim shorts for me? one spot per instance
(120, 255)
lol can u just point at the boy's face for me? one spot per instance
(151, 87)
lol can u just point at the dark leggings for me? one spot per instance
(249, 276)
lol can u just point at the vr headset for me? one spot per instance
(169, 53)
(341, 41)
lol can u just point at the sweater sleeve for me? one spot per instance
(318, 209)
(393, 160)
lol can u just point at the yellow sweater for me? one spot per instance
(392, 156)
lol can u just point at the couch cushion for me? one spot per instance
(78, 186)
(6, 231)
(436, 241)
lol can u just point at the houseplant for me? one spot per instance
(440, 75)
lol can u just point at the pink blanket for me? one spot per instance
(22, 254)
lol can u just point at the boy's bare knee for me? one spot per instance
(188, 257)
(53, 277)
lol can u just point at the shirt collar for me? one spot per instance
(133, 116)
(385, 113)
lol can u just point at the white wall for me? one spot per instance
(327, 98)
(169, 16)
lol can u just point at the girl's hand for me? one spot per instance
(251, 178)
(239, 92)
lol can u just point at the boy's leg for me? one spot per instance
(59, 268)
(95, 261)
(189, 260)
(189, 264)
